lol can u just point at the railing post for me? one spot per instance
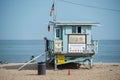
(55, 62)
(95, 46)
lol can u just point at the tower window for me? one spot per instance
(79, 29)
(58, 33)
(73, 29)
(76, 29)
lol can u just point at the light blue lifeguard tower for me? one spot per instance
(72, 43)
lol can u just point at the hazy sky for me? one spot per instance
(28, 19)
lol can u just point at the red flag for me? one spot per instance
(48, 27)
(52, 9)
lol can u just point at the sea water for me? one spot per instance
(14, 51)
(108, 51)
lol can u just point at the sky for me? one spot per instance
(28, 19)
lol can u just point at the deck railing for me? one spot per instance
(95, 42)
(89, 47)
(50, 45)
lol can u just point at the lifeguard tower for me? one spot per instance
(72, 43)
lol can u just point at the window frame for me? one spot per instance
(75, 29)
(57, 34)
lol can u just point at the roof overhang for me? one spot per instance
(80, 23)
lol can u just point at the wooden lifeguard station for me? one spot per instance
(72, 43)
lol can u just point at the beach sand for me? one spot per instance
(100, 71)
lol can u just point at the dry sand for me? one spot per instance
(100, 71)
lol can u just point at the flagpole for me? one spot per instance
(54, 17)
(54, 12)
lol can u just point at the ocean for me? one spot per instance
(15, 51)
(108, 51)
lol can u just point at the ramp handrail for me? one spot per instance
(30, 61)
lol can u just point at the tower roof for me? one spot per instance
(81, 23)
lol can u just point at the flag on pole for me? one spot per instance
(52, 9)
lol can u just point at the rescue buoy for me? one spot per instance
(48, 27)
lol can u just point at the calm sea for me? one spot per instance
(21, 50)
(109, 51)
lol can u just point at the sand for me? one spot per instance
(100, 71)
